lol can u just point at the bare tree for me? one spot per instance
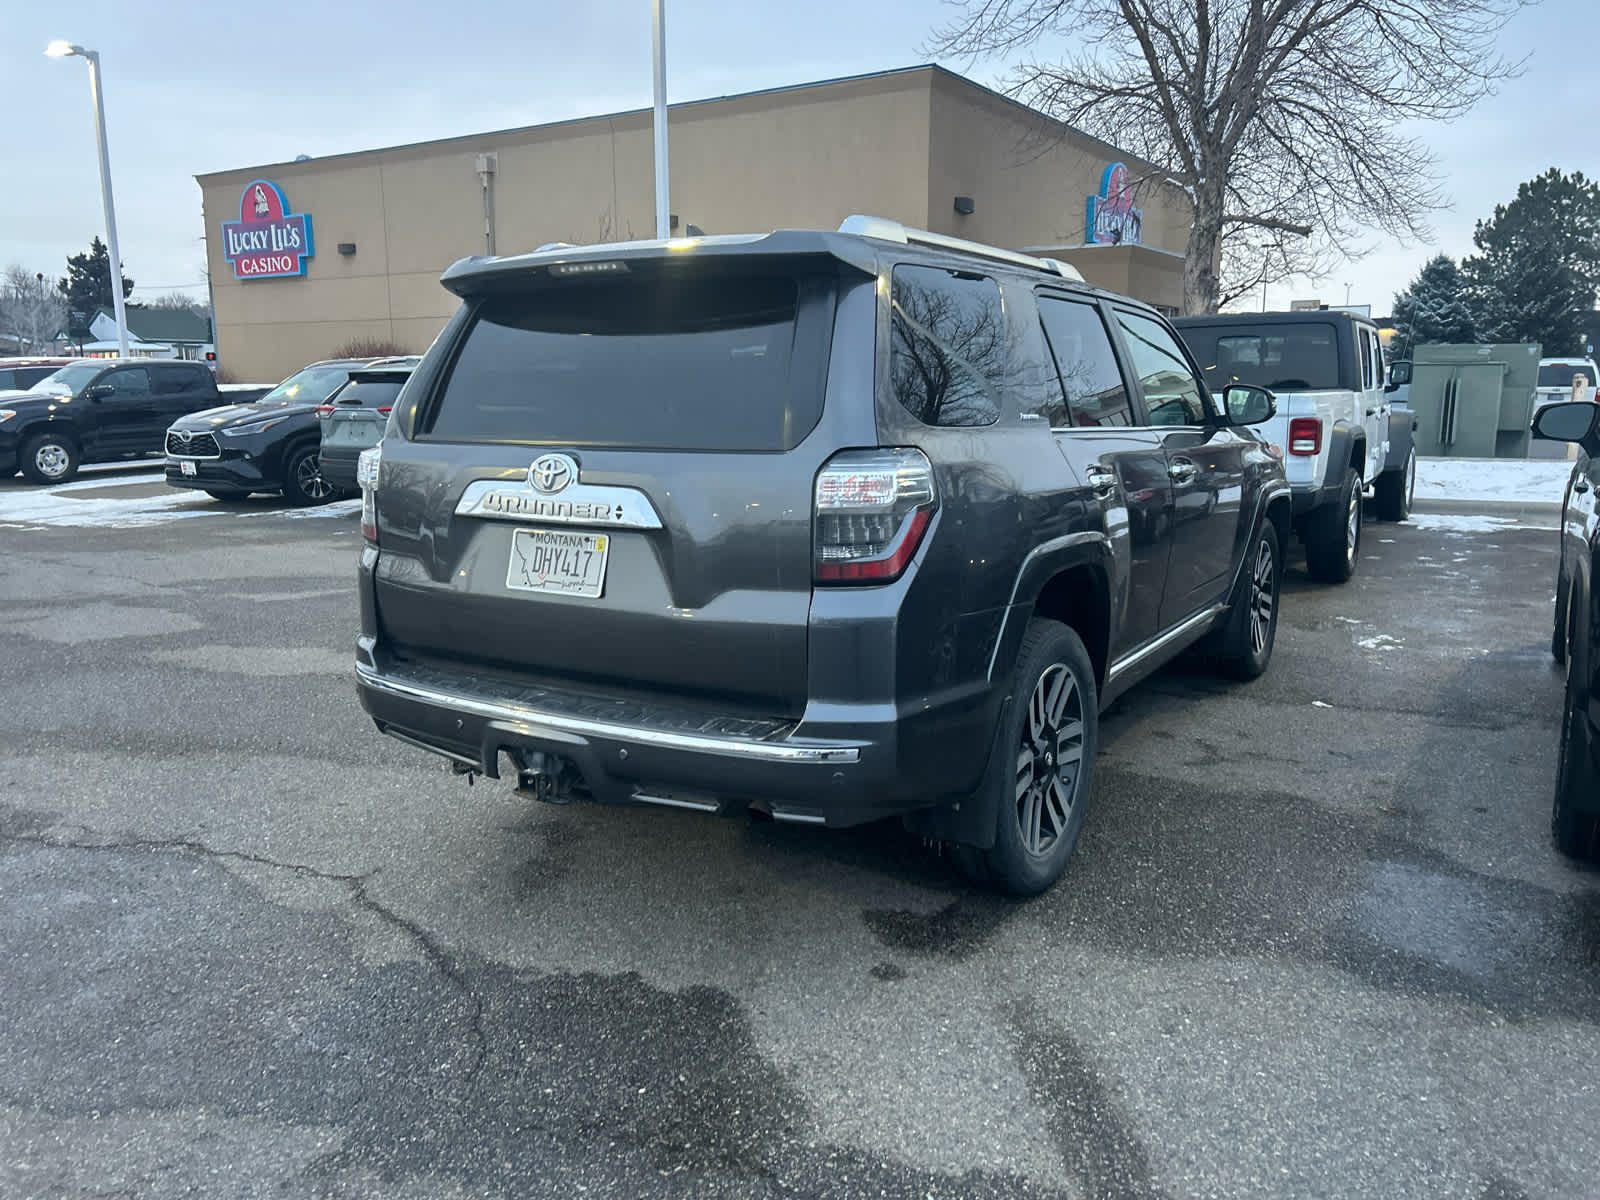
(32, 311)
(1282, 119)
(181, 301)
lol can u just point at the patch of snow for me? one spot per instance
(1320, 704)
(339, 508)
(1495, 479)
(1466, 523)
(57, 507)
(1381, 641)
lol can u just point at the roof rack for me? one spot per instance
(887, 230)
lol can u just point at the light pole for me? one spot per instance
(658, 38)
(60, 49)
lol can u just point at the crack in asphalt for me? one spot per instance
(359, 893)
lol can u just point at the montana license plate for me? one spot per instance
(558, 563)
(185, 467)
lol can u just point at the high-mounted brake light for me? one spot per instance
(592, 267)
(870, 512)
(323, 410)
(1305, 435)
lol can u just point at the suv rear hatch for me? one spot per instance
(609, 485)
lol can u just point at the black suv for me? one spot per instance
(99, 410)
(830, 525)
(1575, 640)
(268, 445)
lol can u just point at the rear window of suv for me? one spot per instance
(653, 361)
(1281, 358)
(1559, 375)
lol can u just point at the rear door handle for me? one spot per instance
(1581, 485)
(1102, 481)
(1181, 470)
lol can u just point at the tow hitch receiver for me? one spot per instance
(547, 778)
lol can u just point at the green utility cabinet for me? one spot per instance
(1473, 401)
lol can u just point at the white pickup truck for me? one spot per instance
(1335, 428)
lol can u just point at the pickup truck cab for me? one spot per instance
(100, 410)
(1336, 428)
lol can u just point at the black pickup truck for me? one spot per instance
(103, 409)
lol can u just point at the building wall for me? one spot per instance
(897, 145)
(805, 158)
(1029, 178)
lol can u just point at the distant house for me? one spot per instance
(152, 333)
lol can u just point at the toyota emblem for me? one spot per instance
(552, 472)
(185, 436)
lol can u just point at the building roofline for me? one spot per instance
(933, 71)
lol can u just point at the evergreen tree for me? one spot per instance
(1434, 308)
(1537, 269)
(87, 285)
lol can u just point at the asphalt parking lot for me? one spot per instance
(1314, 942)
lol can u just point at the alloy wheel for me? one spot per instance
(1352, 523)
(1049, 760)
(308, 477)
(1262, 597)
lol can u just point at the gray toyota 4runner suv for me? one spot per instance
(832, 526)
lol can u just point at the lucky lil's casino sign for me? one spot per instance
(267, 241)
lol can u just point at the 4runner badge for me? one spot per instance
(551, 473)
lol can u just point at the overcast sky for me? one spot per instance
(193, 86)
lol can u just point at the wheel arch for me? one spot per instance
(62, 429)
(1067, 579)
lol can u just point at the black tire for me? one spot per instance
(1575, 815)
(1050, 730)
(49, 458)
(226, 497)
(1244, 645)
(303, 484)
(1333, 534)
(1395, 490)
(1558, 628)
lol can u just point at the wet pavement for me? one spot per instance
(1314, 942)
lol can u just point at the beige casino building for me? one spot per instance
(922, 146)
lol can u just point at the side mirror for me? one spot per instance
(1248, 405)
(1399, 373)
(100, 391)
(1567, 422)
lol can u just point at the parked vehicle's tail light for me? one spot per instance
(386, 409)
(323, 410)
(367, 467)
(1305, 435)
(870, 511)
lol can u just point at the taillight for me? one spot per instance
(386, 409)
(367, 468)
(870, 511)
(1305, 435)
(323, 410)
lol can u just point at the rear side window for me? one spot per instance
(1091, 383)
(174, 379)
(948, 350)
(1281, 358)
(652, 362)
(1172, 394)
